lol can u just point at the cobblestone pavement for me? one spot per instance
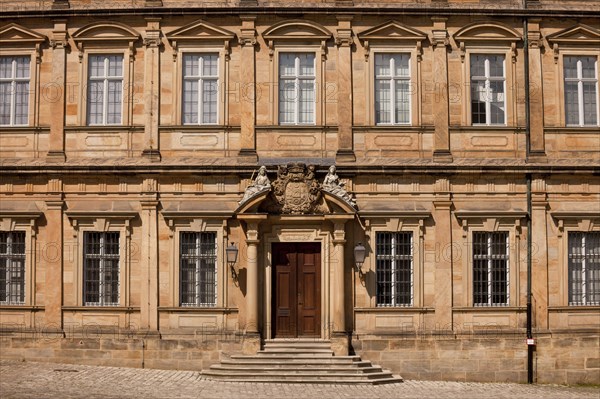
(50, 380)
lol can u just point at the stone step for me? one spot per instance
(297, 369)
(305, 362)
(308, 375)
(302, 380)
(290, 350)
(296, 357)
(303, 344)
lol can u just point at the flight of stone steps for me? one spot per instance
(299, 361)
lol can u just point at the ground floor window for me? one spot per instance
(12, 267)
(490, 268)
(394, 268)
(198, 268)
(101, 269)
(584, 268)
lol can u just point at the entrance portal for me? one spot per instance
(296, 299)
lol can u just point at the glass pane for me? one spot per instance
(96, 65)
(287, 100)
(588, 67)
(5, 101)
(496, 65)
(382, 101)
(575, 244)
(307, 64)
(115, 65)
(307, 101)
(478, 100)
(191, 66)
(95, 102)
(497, 102)
(590, 108)
(22, 67)
(190, 101)
(571, 103)
(401, 62)
(21, 103)
(114, 102)
(287, 64)
(210, 64)
(592, 275)
(402, 102)
(570, 67)
(209, 106)
(6, 67)
(382, 65)
(477, 65)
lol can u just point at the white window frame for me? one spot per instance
(23, 258)
(201, 78)
(491, 257)
(13, 79)
(297, 78)
(198, 257)
(102, 271)
(393, 81)
(584, 270)
(487, 79)
(394, 255)
(105, 79)
(580, 80)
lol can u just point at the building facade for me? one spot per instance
(131, 141)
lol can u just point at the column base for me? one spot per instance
(251, 344)
(249, 154)
(152, 155)
(442, 156)
(340, 343)
(537, 157)
(345, 156)
(56, 156)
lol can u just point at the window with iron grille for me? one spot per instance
(198, 268)
(392, 89)
(394, 268)
(101, 269)
(200, 88)
(297, 77)
(105, 89)
(12, 267)
(584, 268)
(488, 100)
(14, 91)
(490, 268)
(581, 90)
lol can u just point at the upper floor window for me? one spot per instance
(200, 88)
(297, 77)
(392, 89)
(581, 90)
(488, 100)
(490, 269)
(14, 90)
(198, 268)
(105, 89)
(12, 267)
(101, 268)
(394, 268)
(584, 268)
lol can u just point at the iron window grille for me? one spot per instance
(584, 268)
(490, 269)
(394, 269)
(14, 91)
(101, 269)
(12, 267)
(198, 268)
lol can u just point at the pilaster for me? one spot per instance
(441, 139)
(53, 257)
(247, 40)
(59, 43)
(443, 263)
(539, 258)
(149, 256)
(152, 43)
(536, 93)
(344, 41)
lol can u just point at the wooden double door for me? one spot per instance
(296, 299)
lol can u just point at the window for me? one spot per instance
(392, 89)
(490, 269)
(581, 90)
(200, 88)
(488, 105)
(105, 89)
(297, 76)
(12, 267)
(14, 91)
(198, 268)
(394, 268)
(101, 269)
(584, 268)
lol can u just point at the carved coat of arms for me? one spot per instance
(296, 191)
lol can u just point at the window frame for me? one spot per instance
(316, 85)
(23, 271)
(13, 80)
(105, 79)
(220, 72)
(412, 66)
(584, 270)
(102, 272)
(491, 257)
(563, 94)
(487, 79)
(198, 257)
(411, 258)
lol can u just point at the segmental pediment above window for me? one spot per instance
(105, 34)
(487, 34)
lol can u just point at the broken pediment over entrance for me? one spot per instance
(296, 191)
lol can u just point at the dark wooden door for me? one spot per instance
(296, 302)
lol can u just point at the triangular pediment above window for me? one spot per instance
(106, 31)
(392, 30)
(487, 31)
(578, 34)
(297, 30)
(200, 30)
(17, 34)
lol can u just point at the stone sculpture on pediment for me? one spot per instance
(260, 184)
(333, 185)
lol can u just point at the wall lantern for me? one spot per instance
(359, 258)
(232, 254)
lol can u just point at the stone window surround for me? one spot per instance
(566, 222)
(29, 44)
(182, 222)
(82, 222)
(27, 222)
(491, 221)
(481, 38)
(119, 41)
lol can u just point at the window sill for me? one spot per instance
(6, 307)
(484, 309)
(198, 309)
(92, 308)
(574, 308)
(394, 309)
